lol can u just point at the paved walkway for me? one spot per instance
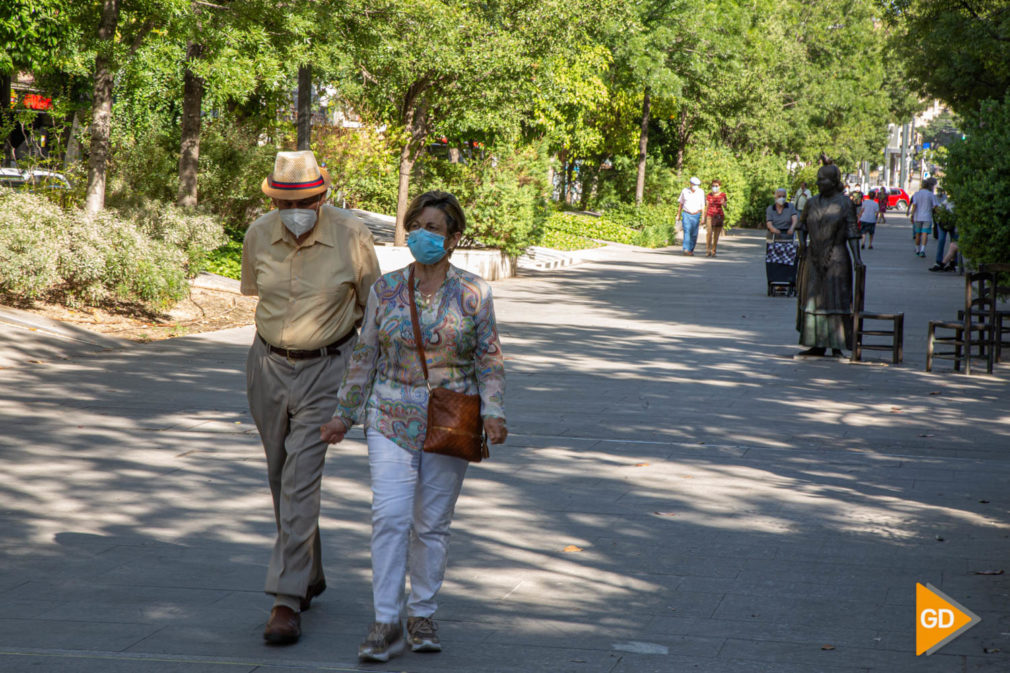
(735, 510)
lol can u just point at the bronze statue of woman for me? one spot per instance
(827, 235)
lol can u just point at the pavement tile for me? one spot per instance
(73, 635)
(75, 662)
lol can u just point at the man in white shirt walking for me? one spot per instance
(692, 203)
(803, 194)
(921, 214)
(868, 210)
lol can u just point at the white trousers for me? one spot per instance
(413, 497)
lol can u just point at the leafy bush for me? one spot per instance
(749, 181)
(144, 164)
(29, 257)
(233, 163)
(719, 163)
(504, 194)
(616, 185)
(657, 235)
(49, 252)
(227, 260)
(559, 240)
(363, 165)
(646, 226)
(977, 174)
(640, 217)
(588, 226)
(765, 174)
(193, 232)
(801, 174)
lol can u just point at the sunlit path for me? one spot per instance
(727, 508)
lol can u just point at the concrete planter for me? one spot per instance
(488, 264)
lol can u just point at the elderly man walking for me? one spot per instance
(312, 266)
(692, 202)
(921, 214)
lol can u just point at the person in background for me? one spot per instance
(947, 229)
(881, 203)
(868, 211)
(949, 261)
(803, 194)
(311, 265)
(414, 492)
(691, 204)
(714, 217)
(943, 230)
(780, 217)
(921, 214)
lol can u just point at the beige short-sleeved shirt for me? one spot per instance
(312, 294)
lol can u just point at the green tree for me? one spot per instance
(978, 170)
(113, 31)
(31, 32)
(958, 51)
(452, 65)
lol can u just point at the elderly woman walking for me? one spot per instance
(714, 217)
(414, 492)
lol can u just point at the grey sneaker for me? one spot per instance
(422, 636)
(383, 641)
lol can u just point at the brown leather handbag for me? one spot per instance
(454, 422)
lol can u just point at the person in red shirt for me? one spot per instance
(714, 216)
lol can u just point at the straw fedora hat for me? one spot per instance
(296, 176)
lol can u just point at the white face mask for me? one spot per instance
(780, 201)
(299, 220)
(715, 190)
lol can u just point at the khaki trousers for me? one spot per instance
(712, 233)
(289, 400)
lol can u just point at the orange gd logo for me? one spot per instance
(939, 619)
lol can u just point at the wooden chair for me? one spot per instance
(978, 317)
(895, 335)
(1001, 327)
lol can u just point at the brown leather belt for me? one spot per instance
(296, 354)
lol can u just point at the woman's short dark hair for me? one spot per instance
(455, 219)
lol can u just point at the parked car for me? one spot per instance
(32, 179)
(895, 196)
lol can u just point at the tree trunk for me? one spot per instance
(569, 179)
(101, 113)
(304, 107)
(563, 179)
(402, 192)
(683, 135)
(643, 145)
(415, 120)
(588, 186)
(454, 155)
(5, 116)
(189, 155)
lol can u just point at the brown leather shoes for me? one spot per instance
(284, 627)
(313, 591)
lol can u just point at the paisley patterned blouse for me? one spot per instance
(384, 383)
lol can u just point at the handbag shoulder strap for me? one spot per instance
(416, 323)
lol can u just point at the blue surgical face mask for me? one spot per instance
(426, 247)
(299, 220)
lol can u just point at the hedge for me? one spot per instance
(48, 252)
